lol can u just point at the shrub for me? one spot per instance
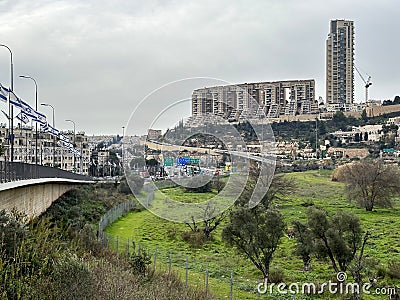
(87, 240)
(308, 203)
(276, 276)
(206, 188)
(194, 238)
(110, 281)
(394, 269)
(139, 261)
(72, 278)
(135, 183)
(124, 188)
(12, 232)
(381, 272)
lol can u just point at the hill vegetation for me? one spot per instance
(316, 194)
(57, 256)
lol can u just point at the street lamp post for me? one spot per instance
(36, 108)
(54, 126)
(74, 142)
(10, 107)
(122, 147)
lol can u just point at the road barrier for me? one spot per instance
(14, 171)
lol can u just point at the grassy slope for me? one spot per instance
(313, 187)
(84, 206)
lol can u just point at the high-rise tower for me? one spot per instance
(340, 63)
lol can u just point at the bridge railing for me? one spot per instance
(14, 171)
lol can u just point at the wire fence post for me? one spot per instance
(116, 243)
(187, 266)
(207, 280)
(231, 287)
(127, 247)
(155, 257)
(169, 262)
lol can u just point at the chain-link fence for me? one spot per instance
(112, 215)
(198, 272)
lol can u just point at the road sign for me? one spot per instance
(169, 162)
(181, 161)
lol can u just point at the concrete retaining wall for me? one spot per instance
(33, 197)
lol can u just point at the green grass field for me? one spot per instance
(313, 187)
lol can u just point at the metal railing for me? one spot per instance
(14, 171)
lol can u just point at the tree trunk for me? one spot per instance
(307, 266)
(369, 206)
(265, 272)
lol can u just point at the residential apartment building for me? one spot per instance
(256, 100)
(153, 134)
(340, 64)
(49, 151)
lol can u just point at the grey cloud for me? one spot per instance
(95, 60)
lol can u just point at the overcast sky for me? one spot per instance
(96, 60)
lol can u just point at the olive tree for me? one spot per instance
(255, 233)
(337, 238)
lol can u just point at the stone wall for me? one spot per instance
(375, 111)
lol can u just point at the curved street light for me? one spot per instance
(36, 108)
(10, 107)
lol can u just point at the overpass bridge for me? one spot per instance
(31, 189)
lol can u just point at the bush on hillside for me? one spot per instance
(139, 260)
(72, 278)
(393, 269)
(194, 238)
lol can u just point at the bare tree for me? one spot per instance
(211, 219)
(370, 182)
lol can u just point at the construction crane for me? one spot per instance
(367, 83)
